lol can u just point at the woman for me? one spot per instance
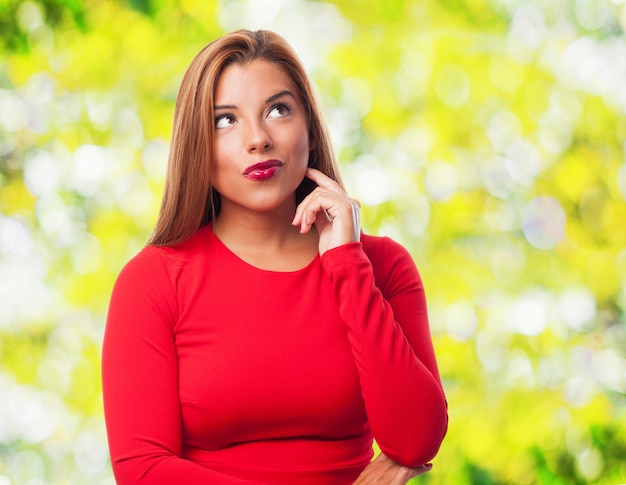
(260, 337)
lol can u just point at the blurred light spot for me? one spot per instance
(565, 105)
(592, 14)
(580, 387)
(492, 350)
(91, 164)
(528, 29)
(90, 452)
(452, 85)
(416, 142)
(529, 314)
(14, 112)
(26, 467)
(522, 162)
(595, 66)
(325, 26)
(99, 110)
(460, 320)
(344, 127)
(609, 368)
(40, 89)
(577, 308)
(507, 264)
(552, 136)
(519, 371)
(441, 180)
(15, 238)
(544, 222)
(416, 215)
(24, 297)
(499, 216)
(154, 159)
(550, 372)
(417, 65)
(356, 96)
(373, 184)
(34, 414)
(57, 219)
(579, 390)
(590, 464)
(134, 196)
(495, 177)
(127, 130)
(54, 371)
(87, 254)
(29, 16)
(42, 173)
(257, 13)
(4, 480)
(503, 130)
(39, 94)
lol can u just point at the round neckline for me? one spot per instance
(242, 261)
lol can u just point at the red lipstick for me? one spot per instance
(263, 170)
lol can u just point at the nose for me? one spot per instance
(258, 138)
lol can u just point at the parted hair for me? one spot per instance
(189, 200)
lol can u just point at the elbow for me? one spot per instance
(425, 442)
(419, 454)
(140, 470)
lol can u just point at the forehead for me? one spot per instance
(256, 79)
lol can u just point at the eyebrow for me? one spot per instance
(273, 97)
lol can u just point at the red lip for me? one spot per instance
(262, 166)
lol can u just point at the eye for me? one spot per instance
(279, 110)
(224, 121)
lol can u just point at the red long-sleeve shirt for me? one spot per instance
(215, 371)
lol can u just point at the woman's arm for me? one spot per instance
(388, 329)
(387, 325)
(140, 381)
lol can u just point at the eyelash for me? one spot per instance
(223, 116)
(283, 104)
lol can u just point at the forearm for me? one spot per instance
(403, 397)
(169, 469)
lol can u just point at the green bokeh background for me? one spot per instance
(485, 135)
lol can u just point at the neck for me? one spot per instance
(266, 240)
(241, 226)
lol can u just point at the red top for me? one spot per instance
(215, 371)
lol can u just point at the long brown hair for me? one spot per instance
(189, 200)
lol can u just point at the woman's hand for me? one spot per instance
(385, 471)
(335, 215)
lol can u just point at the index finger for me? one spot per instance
(322, 179)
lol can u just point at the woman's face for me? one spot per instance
(261, 146)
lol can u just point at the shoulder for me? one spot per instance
(381, 249)
(392, 263)
(154, 264)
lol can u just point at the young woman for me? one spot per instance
(260, 337)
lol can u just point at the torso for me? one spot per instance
(264, 364)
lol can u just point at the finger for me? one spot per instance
(314, 203)
(401, 477)
(322, 180)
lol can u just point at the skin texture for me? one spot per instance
(385, 471)
(259, 117)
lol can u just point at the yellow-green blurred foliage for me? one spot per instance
(485, 135)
